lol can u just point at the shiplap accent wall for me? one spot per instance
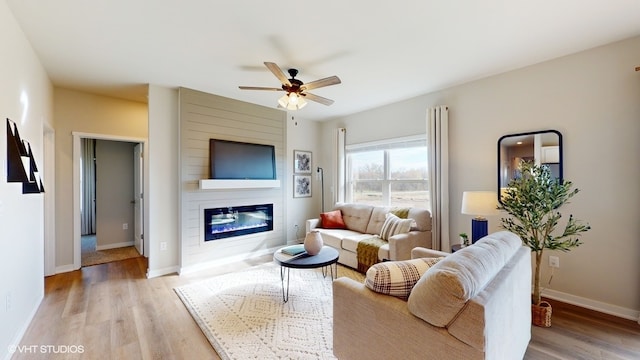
(204, 116)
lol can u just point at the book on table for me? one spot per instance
(294, 249)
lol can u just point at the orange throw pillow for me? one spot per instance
(332, 220)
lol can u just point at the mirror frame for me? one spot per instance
(560, 155)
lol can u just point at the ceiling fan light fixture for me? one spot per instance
(283, 101)
(296, 90)
(292, 101)
(301, 102)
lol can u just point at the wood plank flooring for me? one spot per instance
(111, 311)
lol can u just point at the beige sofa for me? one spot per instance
(362, 221)
(472, 304)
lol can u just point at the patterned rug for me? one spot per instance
(243, 316)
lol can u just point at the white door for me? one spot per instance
(138, 207)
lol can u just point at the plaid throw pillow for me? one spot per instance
(394, 225)
(397, 278)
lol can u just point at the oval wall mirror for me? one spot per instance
(542, 147)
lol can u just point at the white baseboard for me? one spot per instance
(163, 271)
(65, 268)
(602, 307)
(210, 264)
(23, 330)
(114, 246)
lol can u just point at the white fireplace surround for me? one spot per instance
(203, 117)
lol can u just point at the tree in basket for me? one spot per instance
(533, 201)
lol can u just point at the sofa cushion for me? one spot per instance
(378, 216)
(444, 290)
(393, 225)
(335, 237)
(350, 243)
(332, 220)
(355, 216)
(397, 278)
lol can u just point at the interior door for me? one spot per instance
(138, 207)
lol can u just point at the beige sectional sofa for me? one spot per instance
(472, 304)
(362, 221)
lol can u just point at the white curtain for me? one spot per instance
(438, 143)
(88, 213)
(339, 195)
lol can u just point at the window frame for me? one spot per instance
(386, 182)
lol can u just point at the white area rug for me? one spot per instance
(243, 315)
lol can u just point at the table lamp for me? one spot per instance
(479, 204)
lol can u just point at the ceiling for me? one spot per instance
(383, 53)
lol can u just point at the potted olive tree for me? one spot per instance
(533, 201)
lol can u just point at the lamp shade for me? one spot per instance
(479, 203)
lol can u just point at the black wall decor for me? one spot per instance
(21, 166)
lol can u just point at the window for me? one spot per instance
(389, 173)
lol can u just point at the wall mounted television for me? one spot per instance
(233, 160)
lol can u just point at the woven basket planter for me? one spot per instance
(541, 314)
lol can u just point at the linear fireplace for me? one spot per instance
(224, 222)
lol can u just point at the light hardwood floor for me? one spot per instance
(113, 312)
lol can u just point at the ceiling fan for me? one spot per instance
(296, 89)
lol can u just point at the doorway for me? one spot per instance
(112, 198)
(108, 170)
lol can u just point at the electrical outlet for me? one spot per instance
(163, 246)
(554, 261)
(125, 226)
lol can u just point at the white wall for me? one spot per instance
(163, 178)
(593, 99)
(25, 97)
(303, 135)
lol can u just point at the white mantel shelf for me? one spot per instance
(211, 184)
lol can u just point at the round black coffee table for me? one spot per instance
(325, 258)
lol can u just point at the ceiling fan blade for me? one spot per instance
(318, 99)
(259, 88)
(275, 69)
(331, 80)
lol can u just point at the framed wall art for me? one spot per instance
(301, 186)
(301, 162)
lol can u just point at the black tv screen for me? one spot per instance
(240, 160)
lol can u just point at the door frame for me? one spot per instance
(49, 141)
(77, 136)
(138, 197)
